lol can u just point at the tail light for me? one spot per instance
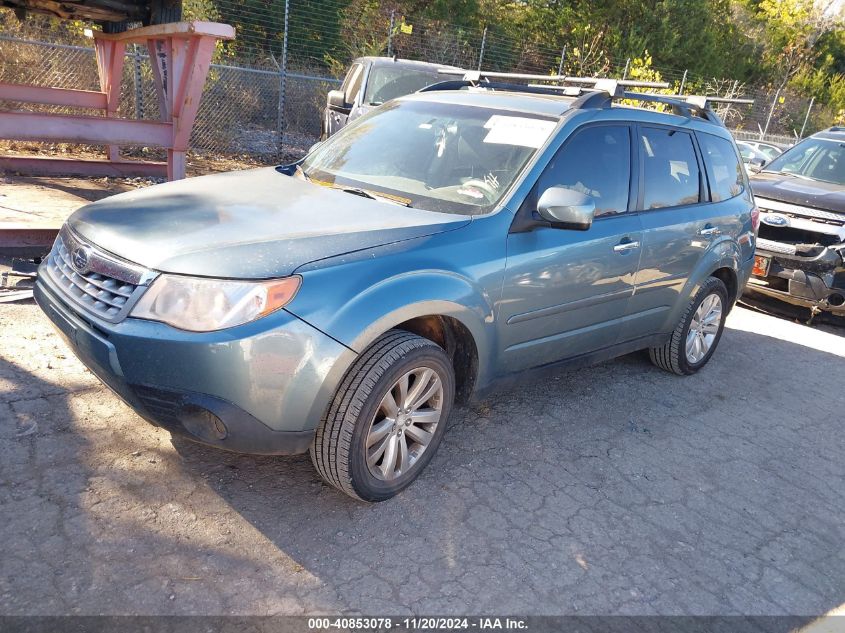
(755, 219)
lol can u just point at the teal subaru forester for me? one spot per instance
(441, 244)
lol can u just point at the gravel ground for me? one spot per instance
(617, 489)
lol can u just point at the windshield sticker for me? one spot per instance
(516, 130)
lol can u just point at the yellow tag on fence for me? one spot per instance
(406, 28)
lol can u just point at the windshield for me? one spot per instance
(815, 158)
(391, 82)
(435, 156)
(769, 152)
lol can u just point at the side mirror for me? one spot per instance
(566, 208)
(756, 164)
(337, 99)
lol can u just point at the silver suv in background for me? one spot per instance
(371, 81)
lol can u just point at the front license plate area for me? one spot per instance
(761, 266)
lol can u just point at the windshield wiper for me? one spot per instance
(357, 191)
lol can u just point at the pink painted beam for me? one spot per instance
(171, 30)
(66, 128)
(48, 166)
(53, 96)
(26, 241)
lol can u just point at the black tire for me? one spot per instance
(339, 449)
(672, 356)
(164, 12)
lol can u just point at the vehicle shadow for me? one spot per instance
(613, 489)
(78, 187)
(796, 314)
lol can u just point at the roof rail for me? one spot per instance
(591, 92)
(688, 105)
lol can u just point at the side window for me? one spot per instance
(352, 82)
(724, 171)
(670, 169)
(595, 161)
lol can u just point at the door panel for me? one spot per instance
(672, 246)
(675, 224)
(566, 292)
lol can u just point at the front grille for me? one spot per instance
(797, 211)
(99, 283)
(796, 236)
(776, 247)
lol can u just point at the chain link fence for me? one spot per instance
(266, 90)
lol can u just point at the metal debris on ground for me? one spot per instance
(8, 295)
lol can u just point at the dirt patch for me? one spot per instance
(47, 201)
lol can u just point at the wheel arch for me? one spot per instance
(454, 337)
(722, 260)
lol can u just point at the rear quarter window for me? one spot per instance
(724, 171)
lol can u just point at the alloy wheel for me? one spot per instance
(404, 423)
(704, 328)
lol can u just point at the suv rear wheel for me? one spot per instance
(698, 332)
(387, 418)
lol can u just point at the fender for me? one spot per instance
(723, 253)
(358, 297)
(366, 315)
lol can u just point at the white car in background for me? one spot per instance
(753, 158)
(770, 150)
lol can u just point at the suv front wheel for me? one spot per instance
(698, 332)
(387, 418)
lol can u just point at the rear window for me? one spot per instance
(724, 171)
(670, 167)
(389, 82)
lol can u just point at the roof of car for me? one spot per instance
(407, 63)
(835, 133)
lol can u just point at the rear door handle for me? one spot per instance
(707, 231)
(626, 246)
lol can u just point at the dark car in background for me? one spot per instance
(801, 244)
(371, 81)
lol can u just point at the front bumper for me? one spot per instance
(816, 281)
(259, 388)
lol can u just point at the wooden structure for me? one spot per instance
(180, 56)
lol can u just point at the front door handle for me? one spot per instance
(709, 230)
(624, 247)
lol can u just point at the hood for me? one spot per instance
(255, 224)
(794, 190)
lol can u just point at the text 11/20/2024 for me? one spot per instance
(419, 623)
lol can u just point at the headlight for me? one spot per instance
(203, 305)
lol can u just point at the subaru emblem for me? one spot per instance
(774, 220)
(79, 258)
